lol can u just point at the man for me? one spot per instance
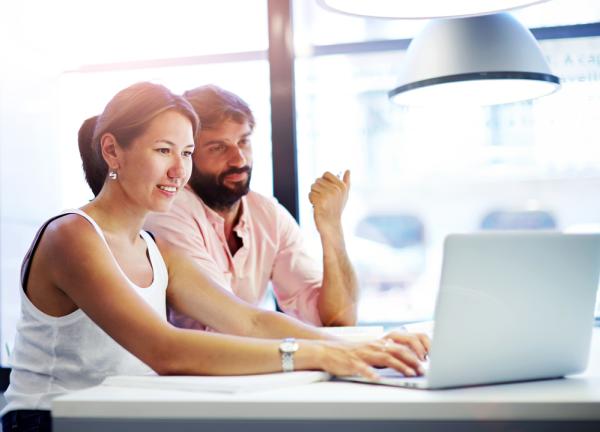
(242, 239)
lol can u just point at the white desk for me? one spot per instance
(332, 406)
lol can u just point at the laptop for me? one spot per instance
(512, 306)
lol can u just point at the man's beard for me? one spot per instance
(213, 191)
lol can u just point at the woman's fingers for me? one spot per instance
(401, 354)
(386, 353)
(425, 341)
(419, 343)
(360, 359)
(389, 361)
(363, 369)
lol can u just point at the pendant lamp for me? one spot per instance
(419, 9)
(478, 60)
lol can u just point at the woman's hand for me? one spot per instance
(348, 358)
(419, 343)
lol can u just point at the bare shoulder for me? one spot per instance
(68, 249)
(69, 235)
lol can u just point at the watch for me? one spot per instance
(287, 348)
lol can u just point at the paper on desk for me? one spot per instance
(356, 333)
(367, 333)
(418, 327)
(218, 384)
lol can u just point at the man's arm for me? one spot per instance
(338, 296)
(181, 230)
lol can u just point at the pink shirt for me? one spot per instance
(272, 250)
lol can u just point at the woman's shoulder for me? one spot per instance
(63, 243)
(69, 224)
(69, 232)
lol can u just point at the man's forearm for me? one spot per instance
(269, 324)
(339, 293)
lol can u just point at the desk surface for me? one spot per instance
(574, 398)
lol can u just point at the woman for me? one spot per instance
(95, 286)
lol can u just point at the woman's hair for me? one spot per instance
(215, 105)
(126, 116)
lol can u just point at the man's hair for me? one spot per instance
(215, 105)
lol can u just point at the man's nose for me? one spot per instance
(238, 158)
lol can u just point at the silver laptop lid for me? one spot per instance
(514, 306)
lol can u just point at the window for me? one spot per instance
(449, 169)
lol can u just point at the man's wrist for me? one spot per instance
(333, 231)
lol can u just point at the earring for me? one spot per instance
(112, 174)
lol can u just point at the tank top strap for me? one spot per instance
(36, 240)
(90, 220)
(158, 262)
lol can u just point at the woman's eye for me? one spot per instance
(164, 150)
(187, 154)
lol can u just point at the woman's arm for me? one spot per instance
(81, 267)
(192, 293)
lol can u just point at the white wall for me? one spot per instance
(29, 168)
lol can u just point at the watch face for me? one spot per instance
(288, 346)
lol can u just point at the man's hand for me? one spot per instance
(328, 195)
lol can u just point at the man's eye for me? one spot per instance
(217, 148)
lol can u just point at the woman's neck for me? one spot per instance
(115, 215)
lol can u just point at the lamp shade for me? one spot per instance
(481, 60)
(404, 9)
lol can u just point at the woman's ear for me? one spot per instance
(110, 151)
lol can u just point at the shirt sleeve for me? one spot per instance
(296, 277)
(182, 230)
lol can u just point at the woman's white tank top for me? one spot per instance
(56, 355)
